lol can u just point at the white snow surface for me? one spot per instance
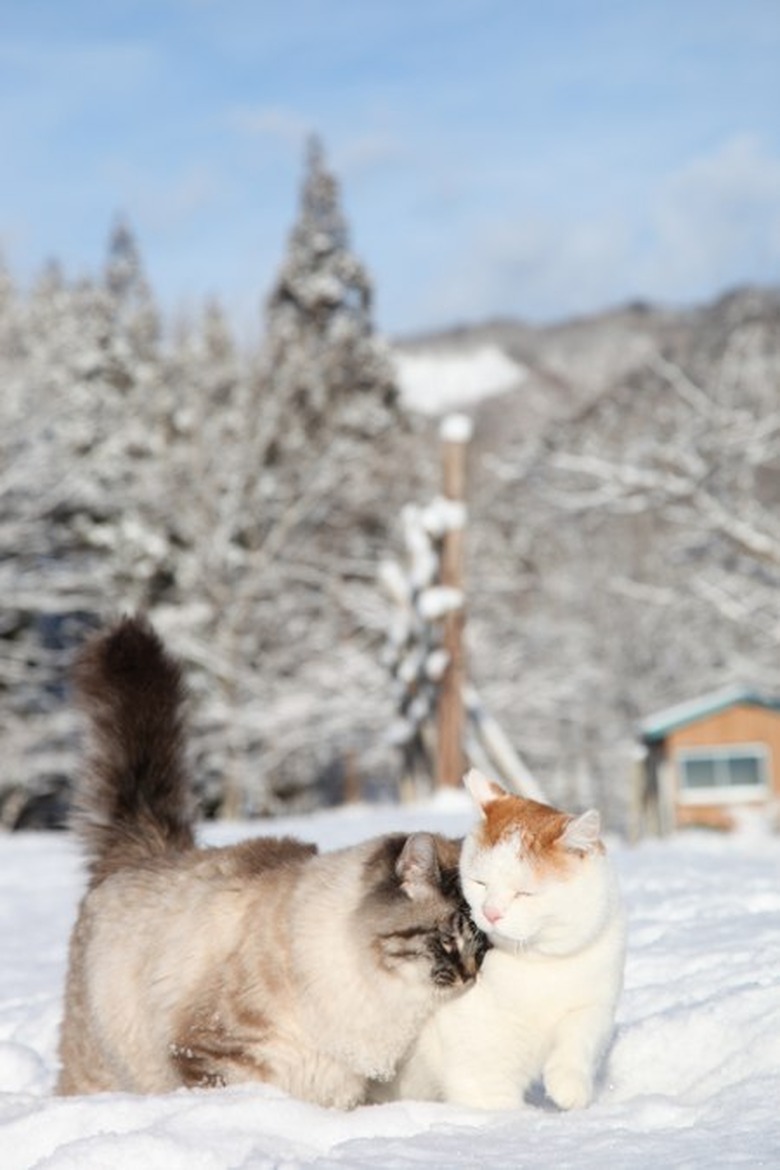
(692, 1080)
(437, 380)
(456, 428)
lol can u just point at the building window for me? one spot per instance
(723, 774)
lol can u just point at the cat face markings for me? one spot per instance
(423, 923)
(456, 952)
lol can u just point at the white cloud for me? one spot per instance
(366, 153)
(270, 121)
(53, 82)
(534, 267)
(718, 220)
(164, 202)
(712, 223)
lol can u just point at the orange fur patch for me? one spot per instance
(538, 826)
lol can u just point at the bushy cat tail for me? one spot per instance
(133, 802)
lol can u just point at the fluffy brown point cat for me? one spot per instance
(264, 961)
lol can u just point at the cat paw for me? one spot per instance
(567, 1088)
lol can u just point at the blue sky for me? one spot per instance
(497, 157)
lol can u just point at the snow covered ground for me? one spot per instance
(693, 1079)
(433, 381)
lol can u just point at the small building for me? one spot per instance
(710, 759)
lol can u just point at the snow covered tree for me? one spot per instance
(80, 505)
(628, 557)
(324, 365)
(706, 475)
(129, 289)
(298, 517)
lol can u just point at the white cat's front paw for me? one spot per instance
(568, 1088)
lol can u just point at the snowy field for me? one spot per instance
(693, 1079)
(433, 381)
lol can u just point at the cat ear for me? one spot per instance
(483, 791)
(581, 834)
(418, 867)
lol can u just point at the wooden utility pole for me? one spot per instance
(455, 434)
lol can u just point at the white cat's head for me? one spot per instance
(535, 878)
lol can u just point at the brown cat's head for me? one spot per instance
(415, 914)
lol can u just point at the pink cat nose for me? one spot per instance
(491, 913)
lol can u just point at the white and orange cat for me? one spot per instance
(540, 885)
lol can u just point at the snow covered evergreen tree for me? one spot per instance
(136, 332)
(80, 529)
(234, 496)
(325, 367)
(299, 517)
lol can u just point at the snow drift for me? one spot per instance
(693, 1077)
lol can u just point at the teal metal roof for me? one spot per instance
(657, 727)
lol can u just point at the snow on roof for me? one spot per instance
(657, 726)
(434, 381)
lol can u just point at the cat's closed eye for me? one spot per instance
(476, 882)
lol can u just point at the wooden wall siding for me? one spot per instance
(706, 816)
(735, 725)
(738, 724)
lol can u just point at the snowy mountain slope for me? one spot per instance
(549, 370)
(434, 381)
(693, 1078)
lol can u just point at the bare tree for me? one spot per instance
(627, 558)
